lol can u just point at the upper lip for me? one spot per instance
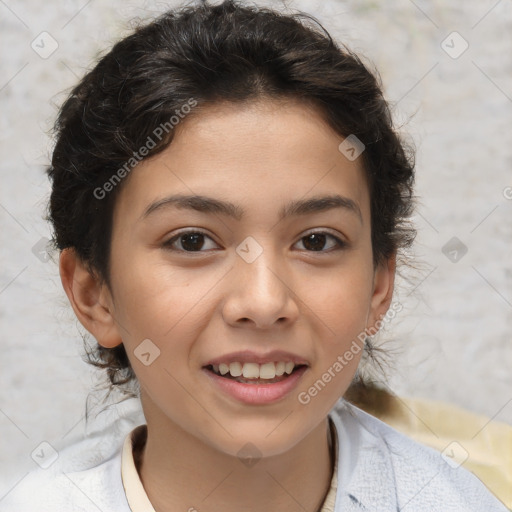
(248, 356)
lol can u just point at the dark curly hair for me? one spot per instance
(229, 53)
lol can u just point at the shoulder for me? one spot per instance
(83, 479)
(388, 467)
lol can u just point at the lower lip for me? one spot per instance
(257, 394)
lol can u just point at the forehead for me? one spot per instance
(259, 155)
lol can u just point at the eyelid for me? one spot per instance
(324, 231)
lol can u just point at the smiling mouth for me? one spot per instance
(253, 373)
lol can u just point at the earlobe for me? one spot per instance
(89, 298)
(383, 286)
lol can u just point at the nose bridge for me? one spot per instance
(263, 276)
(259, 292)
(259, 269)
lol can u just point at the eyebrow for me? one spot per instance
(206, 204)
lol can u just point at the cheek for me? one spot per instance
(154, 297)
(343, 301)
(162, 319)
(156, 309)
(342, 307)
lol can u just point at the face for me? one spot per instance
(256, 278)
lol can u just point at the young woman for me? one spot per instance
(229, 199)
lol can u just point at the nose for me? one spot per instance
(261, 294)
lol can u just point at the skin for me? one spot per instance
(195, 306)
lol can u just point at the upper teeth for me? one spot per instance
(255, 370)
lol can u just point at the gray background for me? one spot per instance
(452, 339)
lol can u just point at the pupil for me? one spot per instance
(318, 241)
(191, 239)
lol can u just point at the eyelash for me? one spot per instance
(168, 244)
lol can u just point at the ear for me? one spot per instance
(90, 299)
(383, 286)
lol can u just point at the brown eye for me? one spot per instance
(190, 241)
(316, 242)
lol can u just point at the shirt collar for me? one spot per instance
(136, 496)
(366, 476)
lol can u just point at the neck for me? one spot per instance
(179, 472)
